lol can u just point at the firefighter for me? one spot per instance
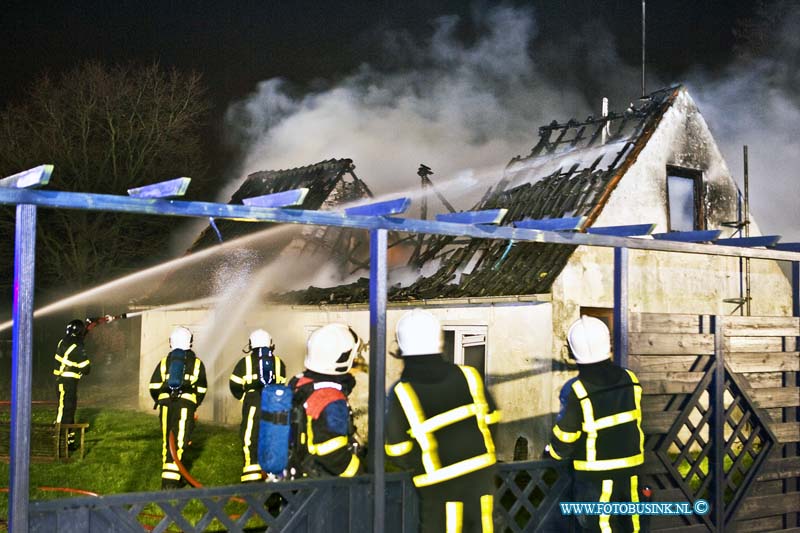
(324, 441)
(438, 426)
(600, 427)
(258, 368)
(178, 386)
(72, 364)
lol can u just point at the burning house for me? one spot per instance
(505, 306)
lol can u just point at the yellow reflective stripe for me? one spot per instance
(476, 389)
(196, 372)
(185, 396)
(82, 365)
(454, 516)
(493, 418)
(236, 379)
(329, 446)
(201, 389)
(69, 374)
(609, 464)
(401, 448)
(172, 467)
(615, 420)
(163, 369)
(487, 508)
(554, 455)
(635, 498)
(352, 467)
(155, 385)
(637, 397)
(454, 470)
(448, 417)
(182, 431)
(251, 477)
(415, 415)
(280, 373)
(566, 436)
(252, 468)
(248, 434)
(248, 370)
(60, 413)
(164, 436)
(170, 475)
(588, 419)
(605, 496)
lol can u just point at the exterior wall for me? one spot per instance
(518, 359)
(667, 282)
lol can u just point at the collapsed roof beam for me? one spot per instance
(162, 189)
(688, 236)
(278, 199)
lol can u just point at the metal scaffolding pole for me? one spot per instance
(377, 371)
(21, 368)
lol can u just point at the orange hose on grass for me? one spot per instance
(61, 489)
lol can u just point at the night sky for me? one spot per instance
(588, 48)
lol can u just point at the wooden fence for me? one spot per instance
(720, 406)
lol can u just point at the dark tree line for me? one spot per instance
(106, 129)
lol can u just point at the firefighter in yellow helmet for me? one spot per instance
(438, 426)
(178, 386)
(324, 441)
(599, 427)
(258, 368)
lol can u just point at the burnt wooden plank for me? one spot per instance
(763, 362)
(775, 397)
(663, 323)
(761, 326)
(786, 432)
(761, 506)
(669, 382)
(780, 468)
(670, 343)
(753, 344)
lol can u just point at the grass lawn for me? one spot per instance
(123, 454)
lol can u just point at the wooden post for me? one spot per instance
(717, 430)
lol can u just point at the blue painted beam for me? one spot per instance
(490, 216)
(124, 204)
(278, 199)
(787, 246)
(763, 240)
(389, 207)
(551, 224)
(27, 179)
(623, 231)
(688, 236)
(162, 189)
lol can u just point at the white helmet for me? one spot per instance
(331, 349)
(260, 339)
(419, 333)
(589, 340)
(180, 338)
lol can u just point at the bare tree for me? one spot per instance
(106, 129)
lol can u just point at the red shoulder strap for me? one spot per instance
(320, 399)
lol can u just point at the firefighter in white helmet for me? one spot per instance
(178, 386)
(599, 427)
(324, 441)
(438, 426)
(258, 368)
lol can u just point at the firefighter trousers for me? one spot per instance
(177, 417)
(614, 489)
(248, 431)
(460, 505)
(67, 400)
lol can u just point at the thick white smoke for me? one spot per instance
(463, 110)
(466, 109)
(756, 102)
